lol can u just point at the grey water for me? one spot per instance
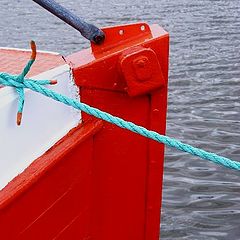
(200, 199)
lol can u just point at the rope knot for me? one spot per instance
(19, 82)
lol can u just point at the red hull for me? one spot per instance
(100, 182)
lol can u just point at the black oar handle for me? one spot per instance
(87, 30)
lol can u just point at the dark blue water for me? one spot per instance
(200, 200)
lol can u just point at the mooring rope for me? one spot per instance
(37, 86)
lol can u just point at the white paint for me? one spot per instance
(44, 122)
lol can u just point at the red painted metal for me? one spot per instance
(141, 70)
(53, 194)
(101, 182)
(128, 168)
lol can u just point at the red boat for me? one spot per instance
(64, 175)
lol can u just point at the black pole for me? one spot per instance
(87, 30)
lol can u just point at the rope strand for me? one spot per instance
(20, 82)
(10, 80)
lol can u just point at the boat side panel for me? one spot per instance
(128, 169)
(120, 168)
(54, 192)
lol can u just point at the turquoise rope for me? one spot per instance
(20, 91)
(13, 81)
(21, 78)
